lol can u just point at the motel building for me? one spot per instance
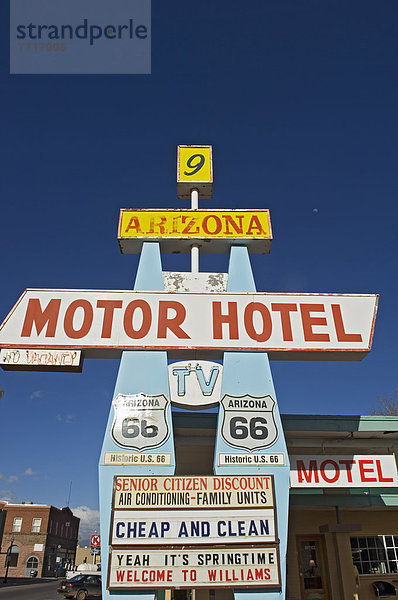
(343, 521)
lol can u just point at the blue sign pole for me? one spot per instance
(140, 372)
(241, 432)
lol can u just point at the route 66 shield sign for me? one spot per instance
(140, 421)
(248, 421)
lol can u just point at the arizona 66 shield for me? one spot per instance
(140, 421)
(248, 421)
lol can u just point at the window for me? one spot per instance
(36, 524)
(17, 524)
(375, 555)
(32, 562)
(12, 557)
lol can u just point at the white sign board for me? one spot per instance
(196, 491)
(40, 360)
(358, 471)
(195, 384)
(236, 568)
(137, 458)
(140, 421)
(132, 528)
(251, 460)
(248, 422)
(285, 325)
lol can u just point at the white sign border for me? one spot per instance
(296, 352)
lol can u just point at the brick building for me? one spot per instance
(41, 537)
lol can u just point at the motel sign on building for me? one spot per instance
(195, 341)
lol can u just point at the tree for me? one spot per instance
(387, 405)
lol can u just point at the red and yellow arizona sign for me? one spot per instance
(219, 227)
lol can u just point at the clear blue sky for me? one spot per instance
(299, 99)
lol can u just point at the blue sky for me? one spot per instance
(299, 101)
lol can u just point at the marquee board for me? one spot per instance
(196, 491)
(191, 568)
(192, 527)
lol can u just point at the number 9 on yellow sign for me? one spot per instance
(194, 170)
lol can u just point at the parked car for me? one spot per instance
(81, 587)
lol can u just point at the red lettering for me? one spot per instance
(380, 473)
(134, 223)
(109, 308)
(323, 472)
(212, 574)
(231, 318)
(362, 470)
(261, 574)
(160, 224)
(87, 319)
(217, 222)
(175, 224)
(120, 575)
(189, 226)
(285, 310)
(348, 468)
(229, 220)
(255, 224)
(172, 323)
(313, 471)
(146, 319)
(265, 334)
(342, 336)
(41, 318)
(309, 322)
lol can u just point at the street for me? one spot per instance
(46, 590)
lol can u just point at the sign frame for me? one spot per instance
(202, 340)
(204, 186)
(367, 467)
(224, 541)
(55, 362)
(270, 491)
(234, 584)
(209, 243)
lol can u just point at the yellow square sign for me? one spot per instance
(194, 170)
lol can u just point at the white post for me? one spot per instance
(194, 247)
